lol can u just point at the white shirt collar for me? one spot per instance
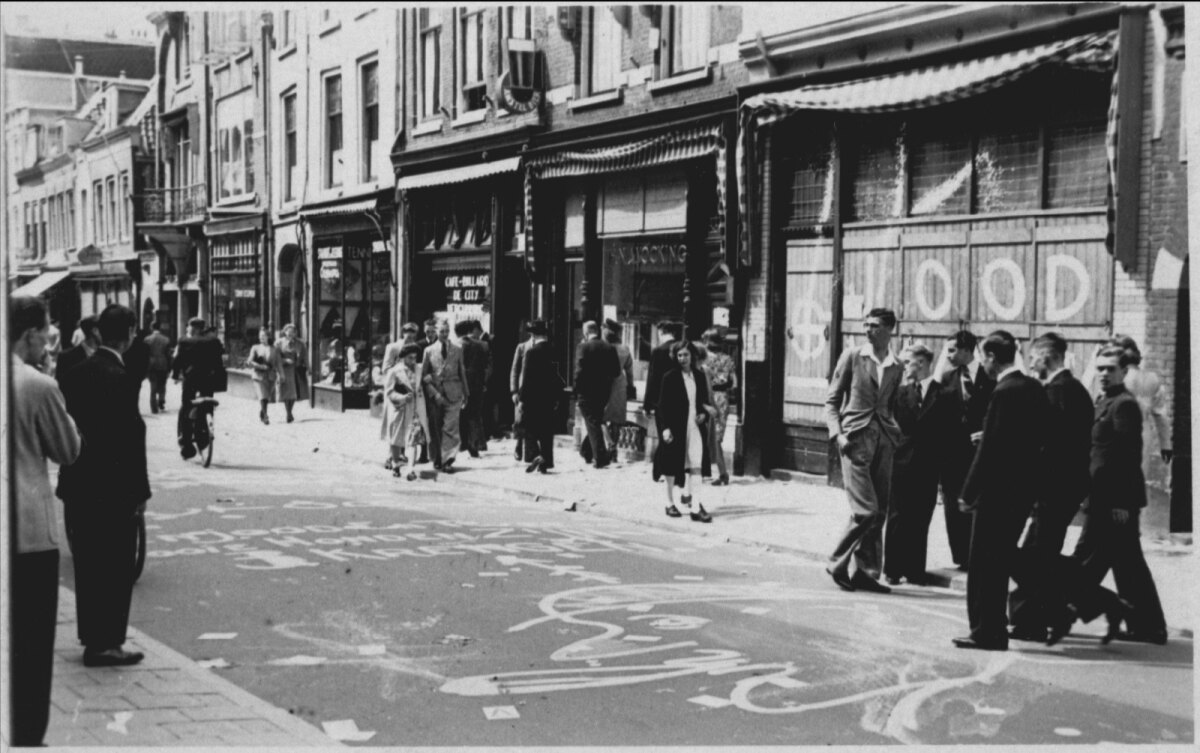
(925, 385)
(1006, 372)
(869, 352)
(120, 358)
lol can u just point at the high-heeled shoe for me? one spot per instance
(701, 516)
(1062, 627)
(412, 476)
(1117, 613)
(673, 512)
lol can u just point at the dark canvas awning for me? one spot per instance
(924, 87)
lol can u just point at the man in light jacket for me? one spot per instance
(444, 377)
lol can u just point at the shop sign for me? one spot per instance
(469, 289)
(245, 293)
(1004, 289)
(329, 252)
(354, 253)
(651, 252)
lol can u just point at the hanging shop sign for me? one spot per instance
(642, 253)
(466, 288)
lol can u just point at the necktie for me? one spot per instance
(968, 386)
(443, 351)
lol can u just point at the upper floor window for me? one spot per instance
(113, 222)
(429, 28)
(470, 60)
(185, 50)
(98, 233)
(687, 37)
(333, 131)
(126, 206)
(287, 29)
(235, 151)
(290, 148)
(370, 119)
(516, 22)
(606, 44)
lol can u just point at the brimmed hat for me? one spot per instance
(537, 327)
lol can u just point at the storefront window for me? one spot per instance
(236, 315)
(643, 285)
(353, 327)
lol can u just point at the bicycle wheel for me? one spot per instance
(139, 561)
(212, 437)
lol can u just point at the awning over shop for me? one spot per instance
(353, 207)
(458, 174)
(707, 141)
(42, 283)
(909, 90)
(237, 224)
(176, 246)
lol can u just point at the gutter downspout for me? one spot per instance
(268, 270)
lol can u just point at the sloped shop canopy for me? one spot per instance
(908, 90)
(42, 283)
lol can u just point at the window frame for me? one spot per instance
(369, 112)
(332, 177)
(126, 205)
(291, 148)
(98, 211)
(429, 95)
(469, 18)
(601, 57)
(676, 46)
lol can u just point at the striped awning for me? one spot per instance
(909, 90)
(42, 283)
(700, 142)
(350, 207)
(458, 174)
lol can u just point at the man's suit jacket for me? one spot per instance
(855, 398)
(660, 363)
(1116, 454)
(159, 346)
(1007, 470)
(925, 430)
(971, 412)
(198, 361)
(447, 375)
(541, 386)
(1068, 439)
(70, 358)
(476, 359)
(112, 463)
(518, 364)
(596, 366)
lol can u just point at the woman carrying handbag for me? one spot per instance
(264, 360)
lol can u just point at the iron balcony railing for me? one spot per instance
(174, 204)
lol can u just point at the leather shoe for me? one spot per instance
(111, 657)
(892, 580)
(1157, 637)
(865, 583)
(673, 512)
(188, 451)
(534, 466)
(1027, 633)
(701, 515)
(840, 579)
(969, 642)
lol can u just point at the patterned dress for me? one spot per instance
(722, 378)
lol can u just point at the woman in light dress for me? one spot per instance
(682, 414)
(402, 427)
(293, 369)
(264, 362)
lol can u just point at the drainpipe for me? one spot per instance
(268, 272)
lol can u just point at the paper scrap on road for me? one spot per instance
(233, 517)
(711, 701)
(212, 663)
(493, 575)
(689, 577)
(639, 607)
(1067, 731)
(570, 555)
(755, 610)
(120, 719)
(299, 660)
(501, 712)
(346, 730)
(643, 638)
(468, 585)
(377, 649)
(216, 636)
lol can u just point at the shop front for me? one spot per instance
(350, 314)
(971, 195)
(180, 259)
(632, 233)
(236, 303)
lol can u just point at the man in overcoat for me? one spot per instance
(158, 344)
(76, 355)
(660, 363)
(444, 377)
(104, 490)
(541, 389)
(596, 366)
(477, 359)
(999, 489)
(860, 414)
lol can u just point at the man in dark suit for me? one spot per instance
(198, 360)
(970, 387)
(1007, 466)
(596, 366)
(1111, 537)
(158, 345)
(860, 414)
(660, 363)
(477, 363)
(1066, 483)
(539, 393)
(72, 357)
(926, 418)
(104, 489)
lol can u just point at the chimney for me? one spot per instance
(79, 65)
(122, 75)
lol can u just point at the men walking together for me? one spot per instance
(596, 366)
(104, 489)
(859, 412)
(999, 489)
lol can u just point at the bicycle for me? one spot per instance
(205, 407)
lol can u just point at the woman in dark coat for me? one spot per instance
(684, 408)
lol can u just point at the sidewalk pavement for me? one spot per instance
(169, 699)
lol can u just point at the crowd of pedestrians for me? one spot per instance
(1017, 454)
